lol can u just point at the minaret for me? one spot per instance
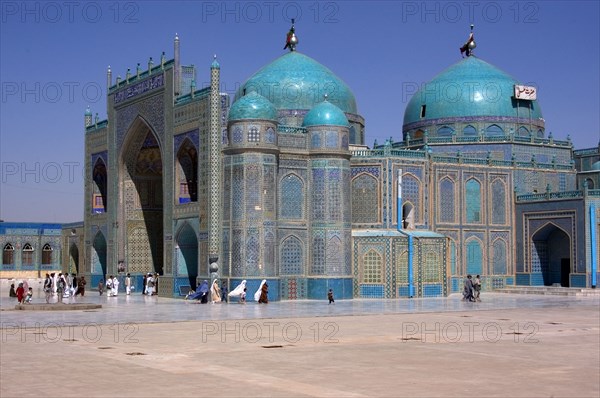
(214, 177)
(177, 68)
(87, 118)
(108, 77)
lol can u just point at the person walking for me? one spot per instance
(477, 288)
(330, 296)
(128, 284)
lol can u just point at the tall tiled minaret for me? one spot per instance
(87, 118)
(215, 162)
(177, 68)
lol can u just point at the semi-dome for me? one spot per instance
(296, 81)
(596, 166)
(471, 88)
(325, 114)
(252, 106)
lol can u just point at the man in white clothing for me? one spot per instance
(115, 287)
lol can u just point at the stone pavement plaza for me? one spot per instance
(136, 346)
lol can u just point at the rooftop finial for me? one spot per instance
(470, 45)
(291, 40)
(176, 37)
(325, 97)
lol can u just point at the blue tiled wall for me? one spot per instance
(577, 280)
(318, 288)
(372, 291)
(523, 279)
(537, 279)
(433, 290)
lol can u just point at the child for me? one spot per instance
(20, 293)
(243, 297)
(29, 296)
(100, 287)
(330, 296)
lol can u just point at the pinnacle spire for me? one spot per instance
(291, 40)
(470, 45)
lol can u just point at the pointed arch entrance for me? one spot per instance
(73, 259)
(141, 210)
(550, 254)
(99, 255)
(187, 254)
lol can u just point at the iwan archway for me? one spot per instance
(140, 226)
(551, 255)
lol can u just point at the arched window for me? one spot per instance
(408, 216)
(445, 131)
(365, 200)
(473, 201)
(8, 254)
(469, 130)
(498, 202)
(447, 205)
(499, 259)
(292, 197)
(523, 132)
(99, 175)
(474, 257)
(372, 267)
(590, 183)
(187, 172)
(292, 257)
(47, 254)
(253, 134)
(494, 129)
(27, 254)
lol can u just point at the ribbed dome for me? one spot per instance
(325, 114)
(252, 106)
(295, 81)
(470, 88)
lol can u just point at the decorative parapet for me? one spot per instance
(291, 129)
(97, 126)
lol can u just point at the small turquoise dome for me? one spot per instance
(469, 88)
(252, 106)
(325, 114)
(295, 81)
(596, 166)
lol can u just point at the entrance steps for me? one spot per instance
(550, 290)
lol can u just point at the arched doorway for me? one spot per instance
(99, 255)
(142, 200)
(73, 259)
(551, 254)
(187, 255)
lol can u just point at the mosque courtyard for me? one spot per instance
(137, 346)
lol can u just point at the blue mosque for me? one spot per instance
(277, 183)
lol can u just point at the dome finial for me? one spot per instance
(325, 97)
(291, 40)
(470, 45)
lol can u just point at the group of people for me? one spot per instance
(150, 283)
(23, 292)
(216, 294)
(63, 286)
(472, 288)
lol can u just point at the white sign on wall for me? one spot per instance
(525, 92)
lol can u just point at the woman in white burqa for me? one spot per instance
(260, 290)
(215, 292)
(237, 292)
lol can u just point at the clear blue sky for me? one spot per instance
(54, 55)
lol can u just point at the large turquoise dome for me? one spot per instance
(325, 114)
(295, 81)
(469, 89)
(252, 106)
